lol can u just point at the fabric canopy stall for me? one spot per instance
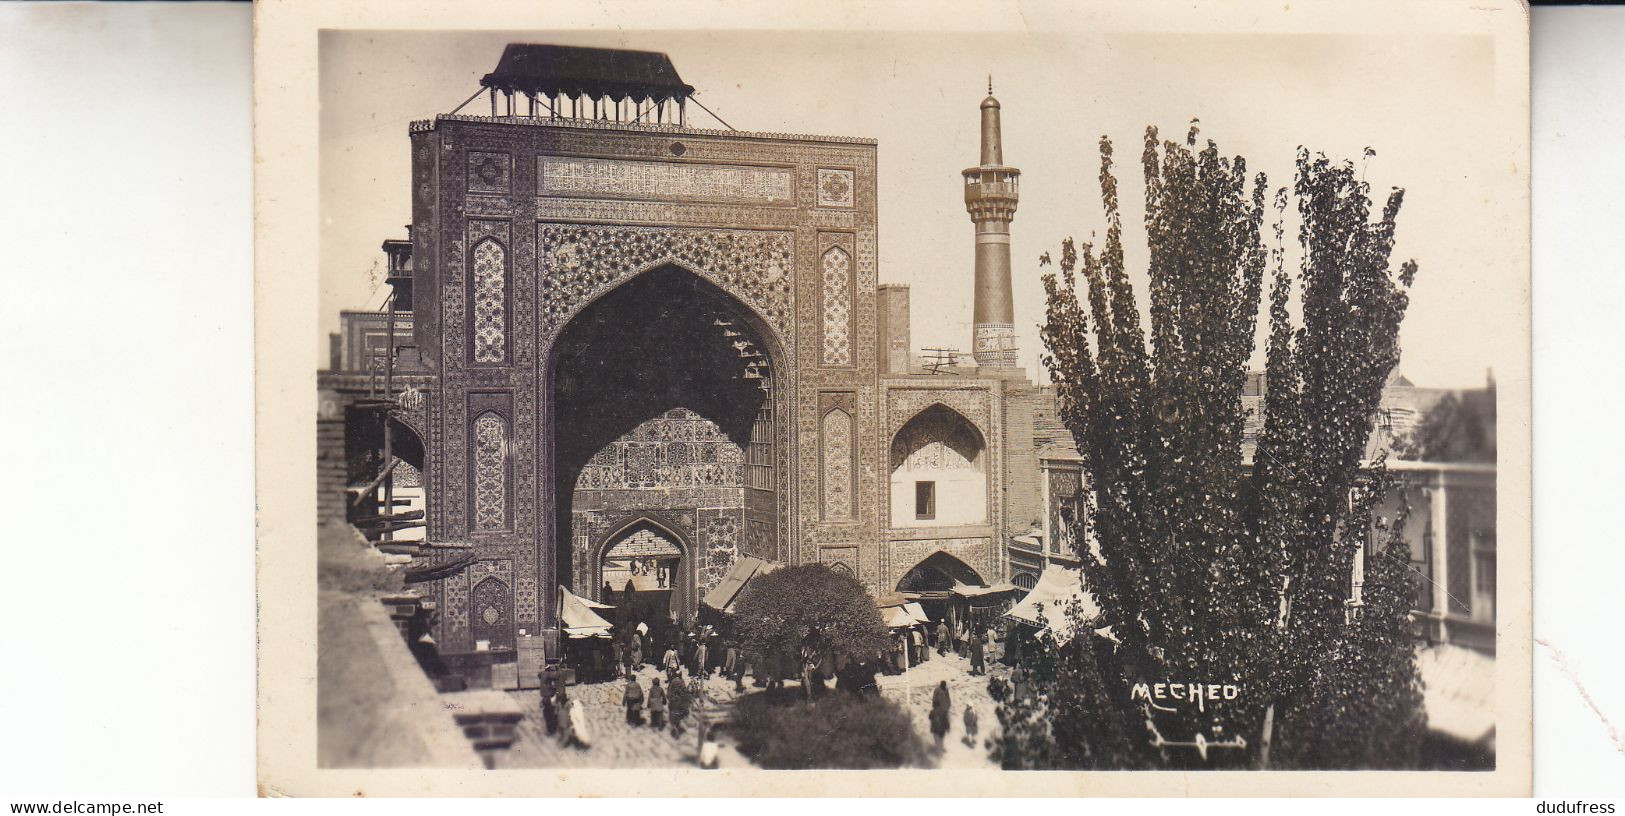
(916, 612)
(900, 613)
(1000, 588)
(577, 618)
(723, 596)
(1055, 591)
(896, 617)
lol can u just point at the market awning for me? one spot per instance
(1458, 692)
(722, 596)
(577, 618)
(903, 615)
(1056, 589)
(1000, 588)
(896, 618)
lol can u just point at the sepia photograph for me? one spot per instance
(1110, 396)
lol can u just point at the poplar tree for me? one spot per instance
(1210, 571)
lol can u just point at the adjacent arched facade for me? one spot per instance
(938, 572)
(939, 471)
(949, 436)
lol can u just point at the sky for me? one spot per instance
(1424, 102)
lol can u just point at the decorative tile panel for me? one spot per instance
(490, 472)
(582, 261)
(488, 173)
(977, 553)
(490, 301)
(719, 534)
(837, 317)
(835, 187)
(491, 608)
(841, 557)
(972, 403)
(615, 178)
(837, 461)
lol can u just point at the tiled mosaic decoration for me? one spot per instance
(837, 455)
(490, 302)
(837, 308)
(490, 472)
(835, 188)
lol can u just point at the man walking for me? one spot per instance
(702, 654)
(941, 710)
(680, 698)
(633, 699)
(657, 705)
(978, 654)
(944, 638)
(730, 666)
(671, 663)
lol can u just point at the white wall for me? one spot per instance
(940, 448)
(961, 497)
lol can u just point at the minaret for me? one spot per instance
(991, 191)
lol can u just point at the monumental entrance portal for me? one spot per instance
(655, 344)
(664, 393)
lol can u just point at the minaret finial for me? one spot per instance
(989, 84)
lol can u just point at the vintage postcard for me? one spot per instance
(656, 398)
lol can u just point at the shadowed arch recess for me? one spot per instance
(664, 398)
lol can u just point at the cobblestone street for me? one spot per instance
(615, 744)
(913, 689)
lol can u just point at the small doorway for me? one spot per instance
(643, 570)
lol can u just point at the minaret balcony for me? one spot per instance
(993, 186)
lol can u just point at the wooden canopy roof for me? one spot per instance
(593, 72)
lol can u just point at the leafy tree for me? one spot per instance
(1071, 722)
(811, 609)
(842, 731)
(1211, 572)
(1364, 708)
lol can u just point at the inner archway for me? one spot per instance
(931, 582)
(664, 403)
(641, 571)
(937, 575)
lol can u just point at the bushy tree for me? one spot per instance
(812, 610)
(1209, 574)
(1071, 721)
(842, 731)
(1364, 704)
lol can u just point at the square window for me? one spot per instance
(925, 500)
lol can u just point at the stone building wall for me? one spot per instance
(1021, 483)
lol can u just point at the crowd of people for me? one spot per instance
(686, 656)
(914, 645)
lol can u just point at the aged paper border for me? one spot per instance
(286, 241)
